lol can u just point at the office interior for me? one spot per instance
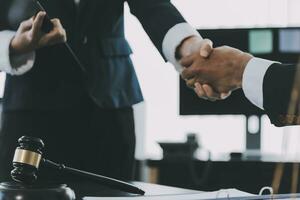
(221, 131)
(186, 142)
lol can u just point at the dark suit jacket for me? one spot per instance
(96, 32)
(277, 91)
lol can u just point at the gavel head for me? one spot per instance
(27, 159)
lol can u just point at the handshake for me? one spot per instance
(214, 73)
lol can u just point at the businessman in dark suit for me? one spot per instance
(270, 85)
(85, 119)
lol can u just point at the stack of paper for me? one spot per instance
(226, 193)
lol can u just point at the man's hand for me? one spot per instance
(221, 72)
(29, 36)
(195, 45)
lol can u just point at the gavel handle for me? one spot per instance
(107, 181)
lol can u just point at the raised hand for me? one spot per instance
(221, 72)
(29, 36)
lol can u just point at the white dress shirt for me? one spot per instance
(15, 65)
(252, 78)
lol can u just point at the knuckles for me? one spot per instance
(56, 21)
(60, 34)
(22, 24)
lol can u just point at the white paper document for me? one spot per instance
(225, 193)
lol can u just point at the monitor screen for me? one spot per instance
(278, 44)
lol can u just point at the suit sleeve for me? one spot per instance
(277, 89)
(163, 23)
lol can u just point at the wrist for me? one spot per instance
(15, 47)
(18, 46)
(12, 47)
(243, 60)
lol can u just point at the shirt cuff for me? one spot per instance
(14, 65)
(173, 39)
(253, 79)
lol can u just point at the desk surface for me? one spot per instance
(153, 189)
(83, 189)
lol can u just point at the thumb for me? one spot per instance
(206, 48)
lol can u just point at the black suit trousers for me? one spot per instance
(89, 138)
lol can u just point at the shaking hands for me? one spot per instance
(30, 37)
(215, 76)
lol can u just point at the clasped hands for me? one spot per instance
(214, 72)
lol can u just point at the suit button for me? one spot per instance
(85, 40)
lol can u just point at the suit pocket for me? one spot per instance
(112, 80)
(114, 47)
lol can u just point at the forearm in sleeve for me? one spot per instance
(164, 24)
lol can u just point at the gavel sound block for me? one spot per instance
(26, 162)
(17, 191)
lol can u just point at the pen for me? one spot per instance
(48, 26)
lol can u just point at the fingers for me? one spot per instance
(57, 35)
(200, 91)
(211, 94)
(26, 25)
(191, 83)
(37, 24)
(61, 33)
(206, 48)
(206, 92)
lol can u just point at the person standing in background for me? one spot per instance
(85, 119)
